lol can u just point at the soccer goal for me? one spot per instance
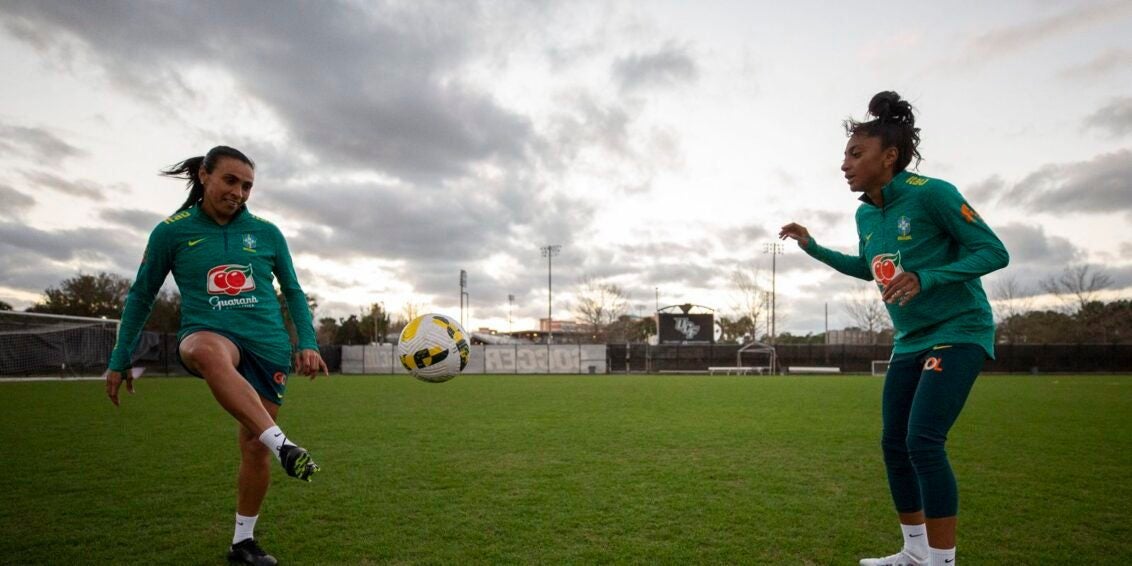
(880, 367)
(33, 344)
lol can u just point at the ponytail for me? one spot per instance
(894, 124)
(189, 170)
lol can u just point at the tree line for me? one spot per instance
(1078, 314)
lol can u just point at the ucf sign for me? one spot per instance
(687, 328)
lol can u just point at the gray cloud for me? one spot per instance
(14, 202)
(132, 218)
(986, 190)
(388, 93)
(587, 123)
(1101, 66)
(669, 65)
(1021, 36)
(1029, 245)
(749, 235)
(37, 144)
(596, 137)
(31, 258)
(1114, 117)
(81, 188)
(1102, 184)
(372, 88)
(435, 233)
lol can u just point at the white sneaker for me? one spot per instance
(902, 558)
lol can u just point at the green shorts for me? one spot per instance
(268, 379)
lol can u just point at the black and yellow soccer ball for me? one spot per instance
(434, 348)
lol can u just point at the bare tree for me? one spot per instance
(1077, 284)
(409, 311)
(748, 298)
(599, 302)
(1010, 298)
(867, 310)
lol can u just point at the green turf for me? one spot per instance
(560, 469)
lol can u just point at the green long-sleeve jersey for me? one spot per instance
(225, 275)
(926, 227)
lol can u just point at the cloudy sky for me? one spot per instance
(661, 144)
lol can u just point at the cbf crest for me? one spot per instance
(249, 243)
(904, 228)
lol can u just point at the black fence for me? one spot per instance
(157, 354)
(159, 357)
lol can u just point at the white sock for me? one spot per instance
(274, 439)
(942, 557)
(916, 540)
(245, 527)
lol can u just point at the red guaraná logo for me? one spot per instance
(230, 279)
(886, 267)
(280, 378)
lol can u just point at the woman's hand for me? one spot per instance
(902, 288)
(308, 362)
(797, 232)
(114, 381)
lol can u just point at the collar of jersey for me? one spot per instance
(889, 191)
(240, 215)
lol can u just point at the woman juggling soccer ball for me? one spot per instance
(224, 260)
(925, 247)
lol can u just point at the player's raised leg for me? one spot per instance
(215, 358)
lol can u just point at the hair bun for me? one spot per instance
(887, 106)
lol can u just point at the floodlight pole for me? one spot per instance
(510, 303)
(463, 295)
(773, 249)
(549, 251)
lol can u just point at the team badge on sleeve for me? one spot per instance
(968, 213)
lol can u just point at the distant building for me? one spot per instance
(565, 326)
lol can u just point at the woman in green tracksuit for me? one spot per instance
(925, 247)
(224, 260)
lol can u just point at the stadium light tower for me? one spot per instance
(510, 303)
(774, 249)
(463, 295)
(549, 251)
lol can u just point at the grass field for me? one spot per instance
(560, 469)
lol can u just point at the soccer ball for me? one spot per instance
(433, 348)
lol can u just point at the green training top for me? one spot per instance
(927, 228)
(225, 276)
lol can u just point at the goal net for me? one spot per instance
(33, 344)
(880, 367)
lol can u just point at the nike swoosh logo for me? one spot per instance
(949, 561)
(941, 347)
(914, 536)
(195, 242)
(239, 523)
(869, 236)
(278, 434)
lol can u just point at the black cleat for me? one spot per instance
(248, 551)
(297, 462)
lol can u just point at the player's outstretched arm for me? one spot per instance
(797, 232)
(852, 265)
(114, 381)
